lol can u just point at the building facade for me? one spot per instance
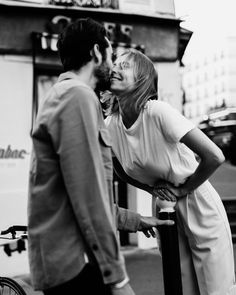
(209, 80)
(30, 65)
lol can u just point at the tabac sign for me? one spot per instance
(11, 153)
(14, 167)
(15, 126)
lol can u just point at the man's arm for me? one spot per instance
(81, 163)
(130, 221)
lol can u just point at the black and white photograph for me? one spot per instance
(118, 147)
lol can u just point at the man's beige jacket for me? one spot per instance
(71, 212)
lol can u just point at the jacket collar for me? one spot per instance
(70, 75)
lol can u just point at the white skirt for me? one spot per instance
(205, 243)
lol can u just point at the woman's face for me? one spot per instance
(122, 76)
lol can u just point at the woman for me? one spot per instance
(156, 149)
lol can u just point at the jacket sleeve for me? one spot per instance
(79, 149)
(127, 220)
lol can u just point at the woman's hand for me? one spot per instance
(167, 191)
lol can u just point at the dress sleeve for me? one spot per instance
(107, 120)
(170, 121)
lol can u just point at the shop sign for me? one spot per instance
(10, 153)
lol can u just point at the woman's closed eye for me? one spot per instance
(123, 65)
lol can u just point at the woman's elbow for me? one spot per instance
(219, 157)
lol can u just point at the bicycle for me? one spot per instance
(9, 286)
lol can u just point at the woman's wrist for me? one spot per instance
(150, 189)
(120, 284)
(184, 191)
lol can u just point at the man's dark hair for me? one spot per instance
(76, 41)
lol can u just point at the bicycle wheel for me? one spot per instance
(10, 287)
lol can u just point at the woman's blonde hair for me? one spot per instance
(146, 81)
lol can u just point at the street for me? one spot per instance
(145, 266)
(224, 180)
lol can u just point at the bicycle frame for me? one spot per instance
(9, 285)
(19, 239)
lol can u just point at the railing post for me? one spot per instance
(170, 251)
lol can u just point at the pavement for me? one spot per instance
(144, 266)
(224, 180)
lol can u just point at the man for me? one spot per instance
(72, 226)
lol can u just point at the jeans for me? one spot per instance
(88, 282)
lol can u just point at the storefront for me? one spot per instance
(29, 65)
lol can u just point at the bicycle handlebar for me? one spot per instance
(13, 229)
(19, 240)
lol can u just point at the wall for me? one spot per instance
(151, 6)
(169, 83)
(15, 146)
(165, 6)
(158, 35)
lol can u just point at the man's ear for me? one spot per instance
(96, 54)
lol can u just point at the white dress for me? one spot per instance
(150, 150)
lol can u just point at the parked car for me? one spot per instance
(220, 127)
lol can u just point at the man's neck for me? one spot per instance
(85, 75)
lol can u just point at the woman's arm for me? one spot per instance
(125, 177)
(211, 157)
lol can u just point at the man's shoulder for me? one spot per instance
(72, 91)
(72, 84)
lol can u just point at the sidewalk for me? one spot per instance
(144, 268)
